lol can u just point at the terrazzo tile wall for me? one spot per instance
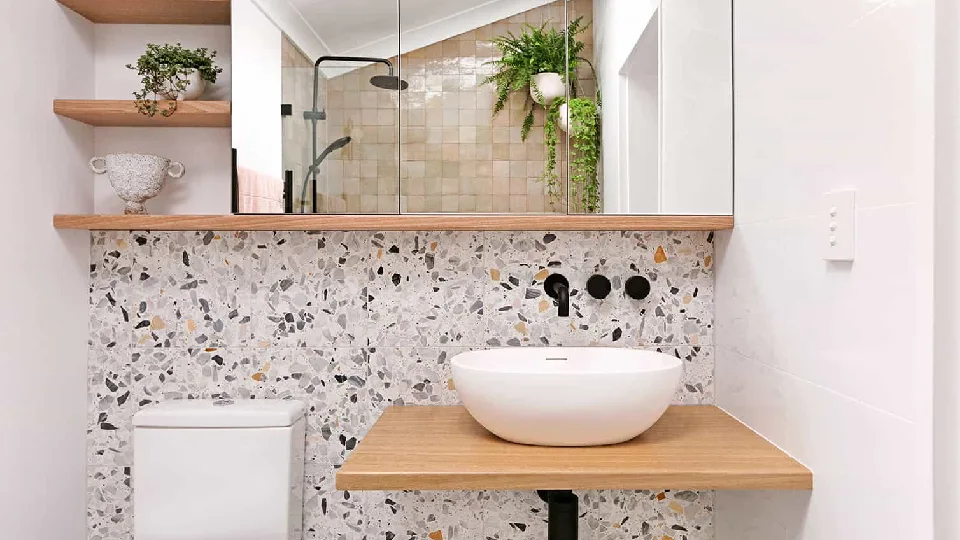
(353, 322)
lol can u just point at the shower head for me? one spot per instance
(334, 146)
(340, 143)
(385, 82)
(389, 82)
(312, 169)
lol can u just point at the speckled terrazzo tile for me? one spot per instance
(228, 373)
(515, 516)
(696, 386)
(159, 375)
(424, 515)
(150, 302)
(426, 289)
(347, 387)
(111, 262)
(209, 278)
(681, 515)
(109, 504)
(604, 516)
(309, 289)
(553, 249)
(329, 514)
(520, 312)
(679, 266)
(345, 390)
(424, 375)
(109, 408)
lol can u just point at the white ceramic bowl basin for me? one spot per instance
(566, 396)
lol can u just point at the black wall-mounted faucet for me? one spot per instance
(558, 288)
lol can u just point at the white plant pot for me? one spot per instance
(194, 90)
(547, 87)
(563, 118)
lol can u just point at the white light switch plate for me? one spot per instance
(839, 227)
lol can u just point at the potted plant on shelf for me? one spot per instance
(173, 73)
(536, 62)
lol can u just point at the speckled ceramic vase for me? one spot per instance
(137, 178)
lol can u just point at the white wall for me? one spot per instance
(639, 105)
(617, 26)
(257, 91)
(697, 107)
(43, 311)
(204, 151)
(694, 113)
(947, 259)
(832, 361)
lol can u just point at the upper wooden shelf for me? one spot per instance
(408, 222)
(152, 11)
(444, 448)
(122, 113)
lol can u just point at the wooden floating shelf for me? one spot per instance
(152, 11)
(122, 113)
(444, 448)
(408, 222)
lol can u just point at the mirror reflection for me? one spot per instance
(471, 106)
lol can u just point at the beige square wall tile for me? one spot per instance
(500, 186)
(450, 203)
(467, 203)
(468, 152)
(518, 203)
(432, 204)
(416, 203)
(484, 203)
(414, 186)
(450, 186)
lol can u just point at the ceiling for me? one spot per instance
(370, 27)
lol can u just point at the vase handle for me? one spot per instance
(180, 172)
(95, 168)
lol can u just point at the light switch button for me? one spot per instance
(839, 225)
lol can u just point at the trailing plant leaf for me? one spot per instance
(585, 155)
(550, 140)
(164, 70)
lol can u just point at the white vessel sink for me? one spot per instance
(566, 396)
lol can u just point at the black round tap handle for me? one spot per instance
(637, 287)
(552, 284)
(599, 287)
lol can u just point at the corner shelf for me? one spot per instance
(407, 222)
(214, 12)
(444, 448)
(123, 113)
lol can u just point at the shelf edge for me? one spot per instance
(191, 12)
(407, 222)
(123, 113)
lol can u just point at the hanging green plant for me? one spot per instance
(536, 51)
(584, 126)
(550, 140)
(166, 72)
